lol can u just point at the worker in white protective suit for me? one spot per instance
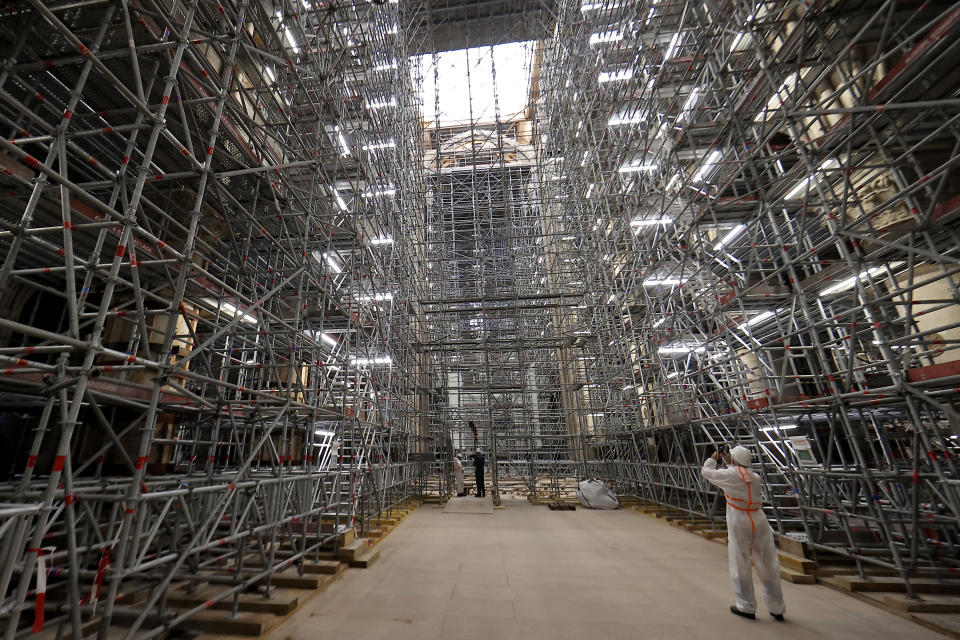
(458, 474)
(748, 534)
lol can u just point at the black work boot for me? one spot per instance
(742, 614)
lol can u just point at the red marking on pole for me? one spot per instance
(31, 461)
(141, 461)
(120, 250)
(41, 599)
(165, 100)
(68, 498)
(126, 160)
(129, 511)
(83, 50)
(58, 463)
(67, 114)
(31, 162)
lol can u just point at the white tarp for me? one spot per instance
(594, 494)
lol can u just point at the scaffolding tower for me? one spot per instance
(207, 346)
(269, 264)
(761, 201)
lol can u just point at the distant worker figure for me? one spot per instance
(458, 474)
(478, 463)
(748, 532)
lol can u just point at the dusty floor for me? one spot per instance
(529, 573)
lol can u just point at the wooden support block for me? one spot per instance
(894, 584)
(365, 558)
(844, 570)
(348, 552)
(797, 563)
(373, 532)
(288, 579)
(280, 602)
(219, 622)
(796, 577)
(791, 545)
(324, 567)
(710, 534)
(927, 604)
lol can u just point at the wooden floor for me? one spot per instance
(529, 573)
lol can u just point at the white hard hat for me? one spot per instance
(478, 449)
(740, 455)
(457, 456)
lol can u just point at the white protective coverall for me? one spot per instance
(458, 475)
(748, 533)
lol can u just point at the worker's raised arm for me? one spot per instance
(709, 468)
(722, 478)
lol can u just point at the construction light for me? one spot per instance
(615, 76)
(730, 237)
(681, 349)
(342, 141)
(384, 190)
(650, 222)
(339, 200)
(850, 282)
(626, 119)
(689, 105)
(333, 263)
(782, 427)
(369, 361)
(287, 34)
(708, 166)
(664, 282)
(635, 168)
(830, 163)
(757, 319)
(376, 146)
(606, 36)
(231, 310)
(377, 297)
(673, 46)
(375, 105)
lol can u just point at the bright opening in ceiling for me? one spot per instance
(459, 87)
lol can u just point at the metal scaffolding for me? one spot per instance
(761, 201)
(713, 222)
(269, 264)
(208, 360)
